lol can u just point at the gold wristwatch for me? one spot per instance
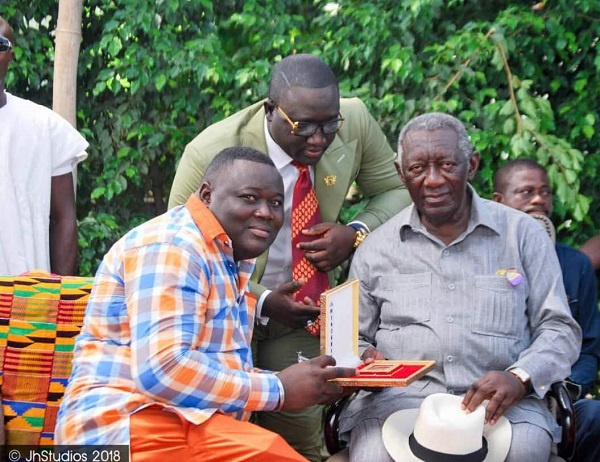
(522, 376)
(361, 234)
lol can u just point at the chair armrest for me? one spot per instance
(565, 416)
(331, 427)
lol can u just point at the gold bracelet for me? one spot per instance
(361, 235)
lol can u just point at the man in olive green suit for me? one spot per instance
(302, 121)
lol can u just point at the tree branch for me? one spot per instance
(457, 75)
(510, 88)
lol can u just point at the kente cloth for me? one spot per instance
(40, 316)
(305, 213)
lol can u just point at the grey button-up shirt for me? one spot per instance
(421, 299)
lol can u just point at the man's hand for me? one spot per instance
(281, 306)
(306, 383)
(371, 354)
(502, 389)
(333, 244)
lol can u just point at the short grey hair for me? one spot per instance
(434, 121)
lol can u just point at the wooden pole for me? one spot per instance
(66, 56)
(68, 39)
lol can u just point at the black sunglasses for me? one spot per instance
(5, 45)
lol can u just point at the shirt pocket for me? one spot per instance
(226, 327)
(405, 299)
(495, 308)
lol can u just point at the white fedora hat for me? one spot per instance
(441, 431)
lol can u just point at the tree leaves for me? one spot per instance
(153, 74)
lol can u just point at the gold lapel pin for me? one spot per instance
(329, 180)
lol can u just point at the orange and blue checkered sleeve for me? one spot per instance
(187, 346)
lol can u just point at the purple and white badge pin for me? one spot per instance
(512, 275)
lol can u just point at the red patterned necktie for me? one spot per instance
(305, 213)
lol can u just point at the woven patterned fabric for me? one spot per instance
(40, 316)
(305, 214)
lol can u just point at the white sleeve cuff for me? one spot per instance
(359, 223)
(281, 394)
(263, 320)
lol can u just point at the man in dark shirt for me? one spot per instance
(523, 184)
(591, 248)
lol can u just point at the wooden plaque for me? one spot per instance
(339, 338)
(387, 373)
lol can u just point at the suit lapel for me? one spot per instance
(253, 133)
(332, 178)
(332, 174)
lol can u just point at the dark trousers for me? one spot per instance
(274, 348)
(587, 442)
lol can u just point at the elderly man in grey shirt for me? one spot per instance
(472, 284)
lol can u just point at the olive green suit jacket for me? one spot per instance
(360, 152)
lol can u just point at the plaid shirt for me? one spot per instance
(168, 323)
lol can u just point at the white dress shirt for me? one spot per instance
(278, 269)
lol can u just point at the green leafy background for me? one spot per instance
(524, 78)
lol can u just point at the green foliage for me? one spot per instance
(95, 232)
(153, 74)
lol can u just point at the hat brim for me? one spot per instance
(399, 426)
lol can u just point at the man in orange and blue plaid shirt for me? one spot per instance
(163, 362)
